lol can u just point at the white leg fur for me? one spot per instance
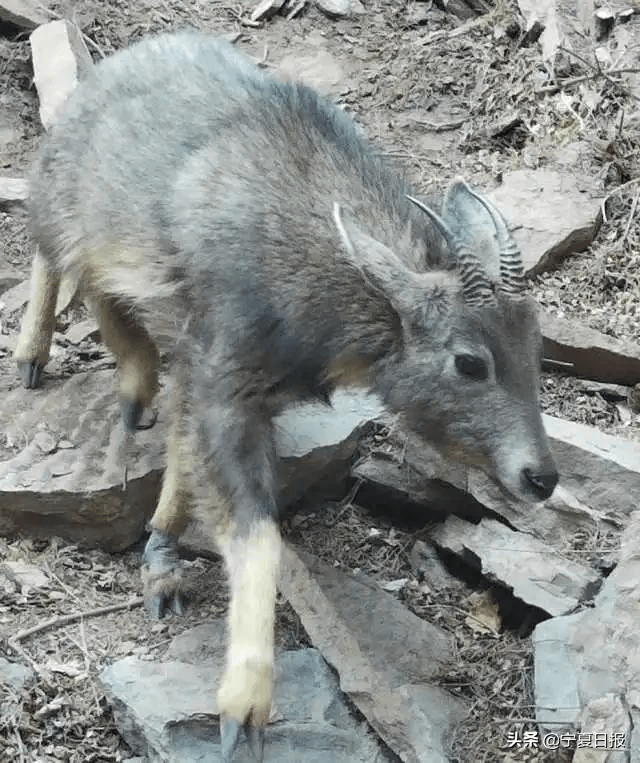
(38, 323)
(252, 561)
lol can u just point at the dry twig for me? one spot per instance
(632, 214)
(596, 72)
(54, 622)
(615, 191)
(445, 34)
(570, 81)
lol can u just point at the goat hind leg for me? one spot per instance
(38, 323)
(161, 567)
(136, 355)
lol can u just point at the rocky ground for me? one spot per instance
(441, 97)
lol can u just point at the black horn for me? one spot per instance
(476, 287)
(512, 280)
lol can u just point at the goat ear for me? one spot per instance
(379, 264)
(412, 295)
(472, 224)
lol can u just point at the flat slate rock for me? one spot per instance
(266, 9)
(564, 23)
(14, 675)
(429, 568)
(9, 277)
(587, 665)
(167, 710)
(13, 191)
(24, 575)
(14, 297)
(60, 57)
(17, 296)
(66, 477)
(336, 9)
(591, 354)
(386, 657)
(531, 199)
(67, 470)
(534, 571)
(310, 62)
(26, 14)
(599, 482)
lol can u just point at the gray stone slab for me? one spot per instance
(557, 695)
(386, 657)
(15, 676)
(336, 9)
(167, 710)
(304, 428)
(9, 277)
(587, 665)
(14, 297)
(309, 61)
(60, 57)
(426, 564)
(599, 482)
(617, 450)
(562, 21)
(26, 14)
(591, 354)
(70, 452)
(74, 488)
(17, 296)
(531, 199)
(12, 191)
(533, 570)
(24, 575)
(266, 9)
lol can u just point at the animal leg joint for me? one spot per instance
(162, 575)
(30, 372)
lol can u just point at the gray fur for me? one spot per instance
(183, 182)
(224, 180)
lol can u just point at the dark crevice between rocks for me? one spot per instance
(516, 615)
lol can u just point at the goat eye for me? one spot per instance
(472, 366)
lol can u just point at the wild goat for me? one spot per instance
(184, 182)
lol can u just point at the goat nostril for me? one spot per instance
(543, 483)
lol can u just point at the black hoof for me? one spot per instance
(131, 413)
(30, 373)
(255, 736)
(163, 604)
(161, 570)
(141, 426)
(230, 731)
(229, 737)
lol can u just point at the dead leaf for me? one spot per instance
(65, 668)
(483, 614)
(393, 586)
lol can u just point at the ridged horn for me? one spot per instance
(476, 287)
(512, 281)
